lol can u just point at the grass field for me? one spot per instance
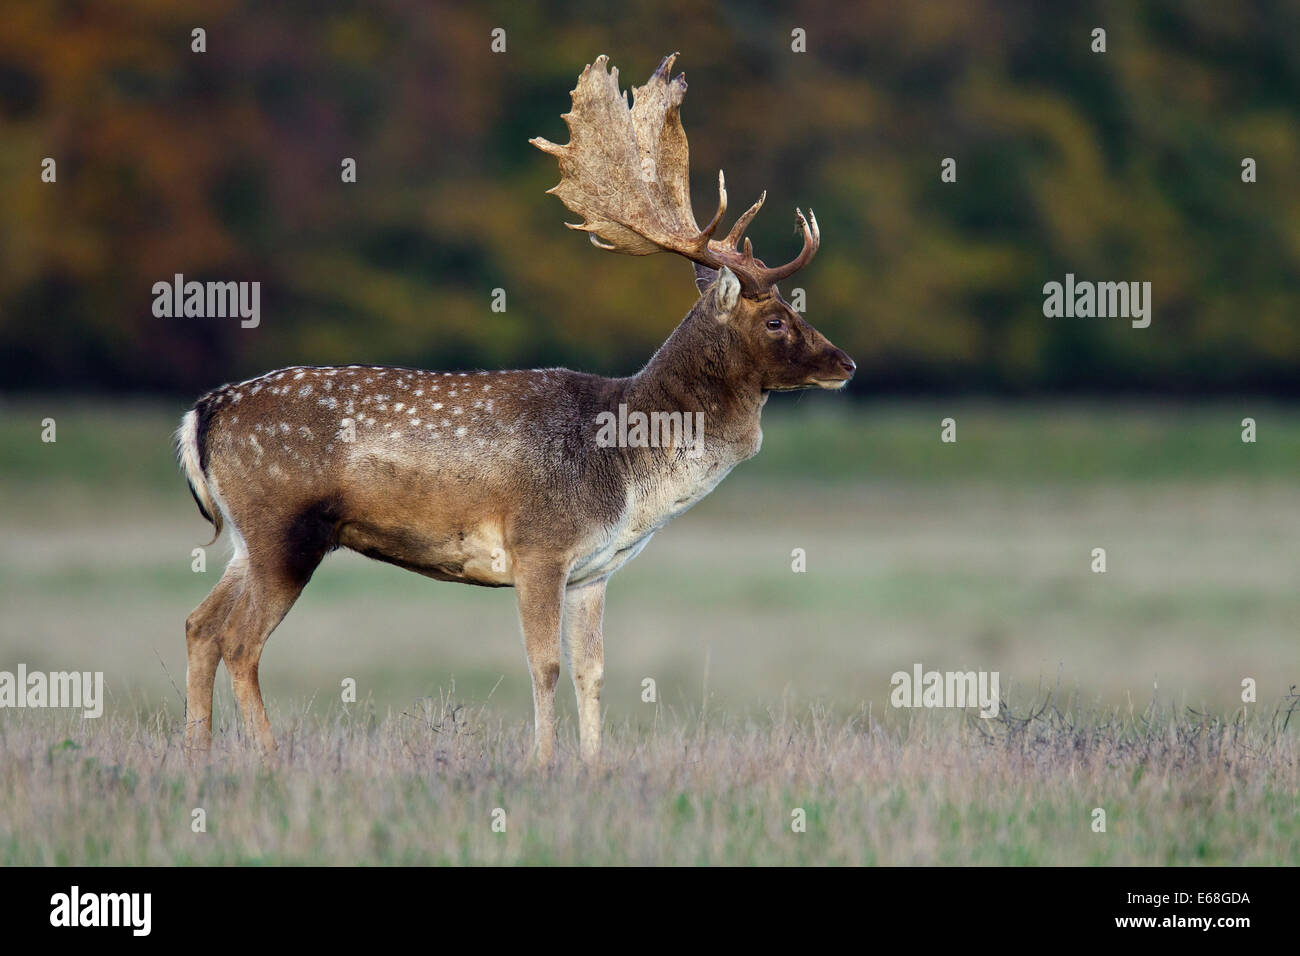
(772, 687)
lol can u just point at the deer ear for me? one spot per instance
(726, 293)
(704, 277)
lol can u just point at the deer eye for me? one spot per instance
(776, 325)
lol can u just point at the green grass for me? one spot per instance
(823, 438)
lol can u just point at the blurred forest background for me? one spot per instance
(225, 165)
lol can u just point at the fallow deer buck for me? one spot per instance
(499, 479)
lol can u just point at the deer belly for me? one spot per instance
(469, 555)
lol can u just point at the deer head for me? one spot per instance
(626, 172)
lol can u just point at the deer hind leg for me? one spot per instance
(259, 608)
(584, 607)
(540, 594)
(203, 652)
(288, 552)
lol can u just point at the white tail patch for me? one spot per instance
(187, 450)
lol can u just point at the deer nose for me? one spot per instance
(846, 363)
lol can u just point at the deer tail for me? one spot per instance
(191, 453)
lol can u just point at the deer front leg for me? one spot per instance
(584, 607)
(540, 594)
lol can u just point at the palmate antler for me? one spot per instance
(627, 173)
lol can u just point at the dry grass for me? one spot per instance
(972, 556)
(420, 787)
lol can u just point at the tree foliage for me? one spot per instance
(225, 165)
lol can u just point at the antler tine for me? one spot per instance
(707, 231)
(733, 238)
(811, 240)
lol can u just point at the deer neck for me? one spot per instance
(695, 371)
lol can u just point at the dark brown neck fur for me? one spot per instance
(700, 368)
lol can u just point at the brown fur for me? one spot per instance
(493, 479)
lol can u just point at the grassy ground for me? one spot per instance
(427, 785)
(773, 687)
